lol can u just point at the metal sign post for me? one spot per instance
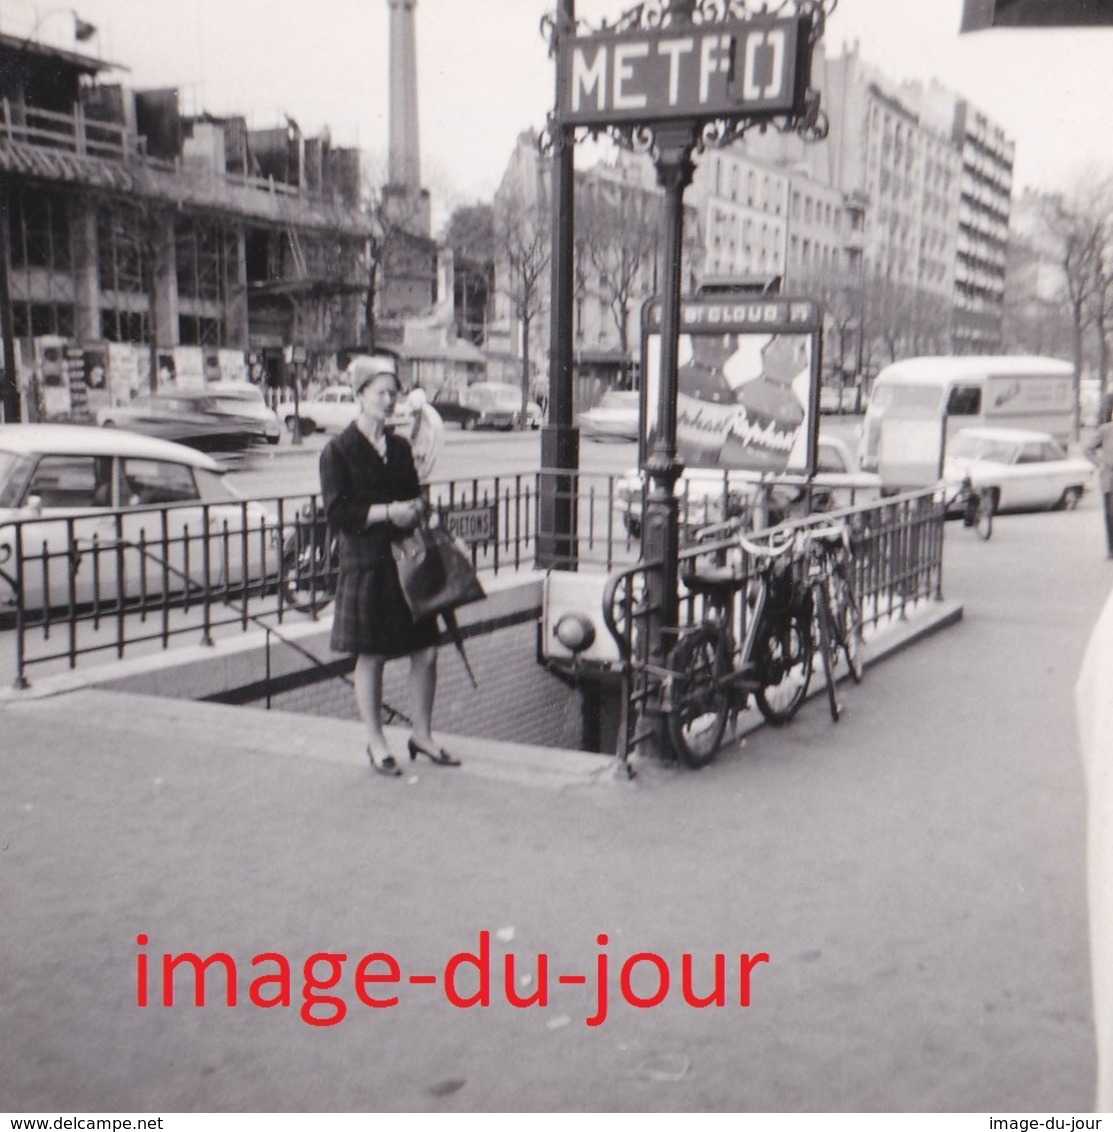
(671, 77)
(560, 439)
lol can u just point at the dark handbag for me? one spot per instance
(436, 575)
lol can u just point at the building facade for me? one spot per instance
(171, 243)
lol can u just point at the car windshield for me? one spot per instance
(914, 397)
(982, 448)
(14, 470)
(496, 395)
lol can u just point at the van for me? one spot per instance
(916, 404)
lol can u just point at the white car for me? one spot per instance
(616, 417)
(332, 410)
(244, 399)
(118, 517)
(1025, 470)
(499, 404)
(710, 495)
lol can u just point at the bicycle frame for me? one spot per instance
(707, 684)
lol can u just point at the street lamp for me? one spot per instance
(83, 31)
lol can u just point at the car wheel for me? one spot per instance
(108, 424)
(272, 439)
(1070, 498)
(468, 424)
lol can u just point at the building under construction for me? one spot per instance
(185, 241)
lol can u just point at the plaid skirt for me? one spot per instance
(371, 615)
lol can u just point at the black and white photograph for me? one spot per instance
(581, 576)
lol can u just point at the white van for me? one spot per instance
(919, 402)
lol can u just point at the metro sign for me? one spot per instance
(755, 68)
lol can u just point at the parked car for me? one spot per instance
(185, 417)
(1024, 469)
(243, 399)
(710, 495)
(616, 417)
(332, 410)
(113, 514)
(499, 404)
(452, 405)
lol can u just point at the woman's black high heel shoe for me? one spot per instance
(388, 766)
(441, 757)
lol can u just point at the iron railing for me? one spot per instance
(109, 583)
(898, 555)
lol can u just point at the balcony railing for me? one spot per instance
(74, 133)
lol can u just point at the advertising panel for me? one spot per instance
(189, 367)
(233, 365)
(123, 372)
(747, 383)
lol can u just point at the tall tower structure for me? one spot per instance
(405, 200)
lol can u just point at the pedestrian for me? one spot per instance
(372, 497)
(1100, 450)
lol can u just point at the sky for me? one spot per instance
(484, 73)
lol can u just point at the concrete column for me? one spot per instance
(235, 309)
(83, 223)
(166, 280)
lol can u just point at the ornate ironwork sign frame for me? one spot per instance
(718, 67)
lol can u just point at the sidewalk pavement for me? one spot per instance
(913, 874)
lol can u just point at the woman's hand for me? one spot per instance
(406, 514)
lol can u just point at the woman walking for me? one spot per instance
(372, 497)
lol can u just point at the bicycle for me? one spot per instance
(837, 614)
(707, 686)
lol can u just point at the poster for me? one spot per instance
(747, 374)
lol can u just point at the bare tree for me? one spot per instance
(1081, 231)
(621, 226)
(523, 252)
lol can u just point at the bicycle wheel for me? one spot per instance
(828, 648)
(784, 666)
(700, 702)
(308, 572)
(848, 622)
(983, 512)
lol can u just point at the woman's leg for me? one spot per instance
(423, 690)
(368, 682)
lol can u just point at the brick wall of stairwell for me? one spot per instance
(517, 699)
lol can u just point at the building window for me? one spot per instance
(124, 326)
(196, 331)
(120, 258)
(32, 320)
(39, 229)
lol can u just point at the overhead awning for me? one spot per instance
(58, 165)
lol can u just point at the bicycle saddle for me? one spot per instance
(714, 583)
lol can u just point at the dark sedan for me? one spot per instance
(193, 419)
(452, 407)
